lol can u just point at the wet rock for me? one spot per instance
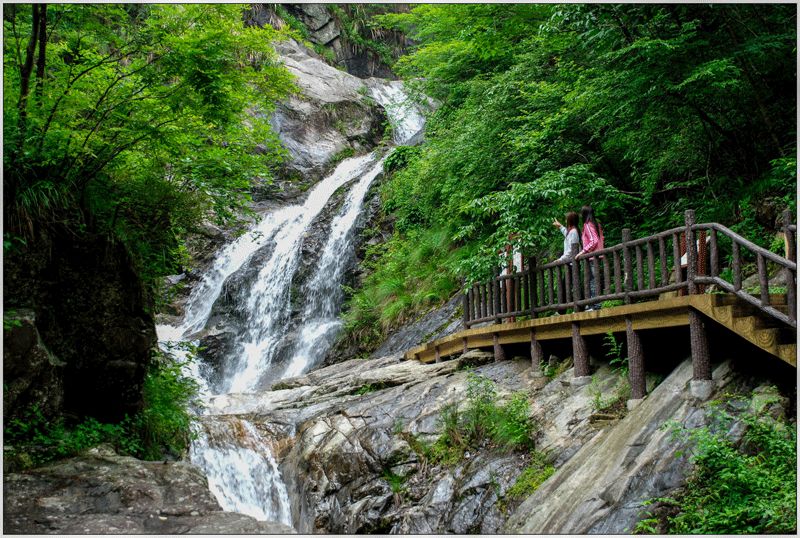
(330, 117)
(101, 492)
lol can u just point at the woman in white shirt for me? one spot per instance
(570, 233)
(571, 237)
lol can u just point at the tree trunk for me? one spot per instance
(40, 62)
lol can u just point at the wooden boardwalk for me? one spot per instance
(725, 309)
(662, 281)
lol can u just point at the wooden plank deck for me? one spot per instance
(662, 313)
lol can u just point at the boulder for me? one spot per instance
(91, 322)
(33, 375)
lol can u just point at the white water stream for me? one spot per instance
(242, 472)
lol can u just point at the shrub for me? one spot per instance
(747, 489)
(482, 420)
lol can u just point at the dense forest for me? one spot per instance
(642, 111)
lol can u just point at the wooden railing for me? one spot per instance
(638, 269)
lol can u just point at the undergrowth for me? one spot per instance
(480, 422)
(735, 488)
(161, 429)
(535, 473)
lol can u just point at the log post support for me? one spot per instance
(701, 385)
(499, 353)
(464, 347)
(580, 356)
(466, 304)
(438, 355)
(635, 362)
(537, 356)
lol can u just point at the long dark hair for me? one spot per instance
(587, 215)
(572, 220)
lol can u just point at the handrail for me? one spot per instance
(636, 269)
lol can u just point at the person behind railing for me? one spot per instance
(592, 239)
(571, 237)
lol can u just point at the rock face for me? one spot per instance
(600, 489)
(104, 493)
(348, 438)
(94, 323)
(437, 323)
(324, 28)
(332, 116)
(33, 374)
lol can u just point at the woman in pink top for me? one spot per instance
(592, 240)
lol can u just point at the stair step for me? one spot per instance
(788, 352)
(766, 339)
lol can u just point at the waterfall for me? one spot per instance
(323, 293)
(268, 306)
(242, 475)
(241, 468)
(404, 117)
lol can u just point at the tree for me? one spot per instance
(143, 120)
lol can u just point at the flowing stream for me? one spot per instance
(241, 469)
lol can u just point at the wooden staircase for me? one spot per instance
(762, 331)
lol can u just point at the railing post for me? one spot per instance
(791, 245)
(691, 252)
(497, 291)
(465, 303)
(628, 263)
(576, 282)
(533, 298)
(636, 375)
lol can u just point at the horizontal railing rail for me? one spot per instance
(686, 259)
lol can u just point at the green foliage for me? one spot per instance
(641, 110)
(400, 157)
(613, 403)
(35, 440)
(482, 420)
(407, 275)
(165, 423)
(537, 471)
(396, 482)
(140, 123)
(749, 489)
(162, 427)
(10, 320)
(614, 352)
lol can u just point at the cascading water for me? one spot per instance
(242, 475)
(242, 472)
(323, 292)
